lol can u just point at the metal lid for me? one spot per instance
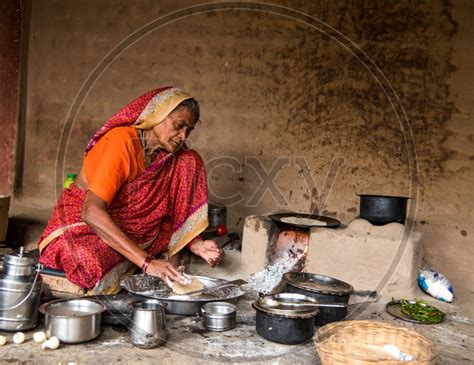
(214, 208)
(318, 283)
(21, 257)
(288, 305)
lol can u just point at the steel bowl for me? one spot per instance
(218, 316)
(73, 320)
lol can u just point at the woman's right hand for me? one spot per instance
(164, 269)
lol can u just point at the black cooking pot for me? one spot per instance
(285, 323)
(323, 289)
(382, 209)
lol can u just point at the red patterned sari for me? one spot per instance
(163, 208)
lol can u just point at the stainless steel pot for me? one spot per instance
(73, 320)
(148, 324)
(218, 316)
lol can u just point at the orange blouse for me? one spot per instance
(116, 158)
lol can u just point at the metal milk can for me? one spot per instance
(20, 286)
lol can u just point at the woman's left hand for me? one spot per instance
(209, 250)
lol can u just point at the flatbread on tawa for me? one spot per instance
(183, 289)
(304, 221)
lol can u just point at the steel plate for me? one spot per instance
(394, 308)
(154, 287)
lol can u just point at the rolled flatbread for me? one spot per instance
(183, 289)
(304, 221)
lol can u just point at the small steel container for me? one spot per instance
(148, 328)
(216, 215)
(218, 316)
(73, 320)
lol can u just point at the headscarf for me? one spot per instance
(144, 112)
(160, 106)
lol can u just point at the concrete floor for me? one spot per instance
(189, 343)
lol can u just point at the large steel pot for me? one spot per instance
(286, 324)
(382, 209)
(73, 320)
(323, 289)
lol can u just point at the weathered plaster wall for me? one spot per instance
(10, 26)
(446, 210)
(283, 104)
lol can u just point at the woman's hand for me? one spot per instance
(164, 269)
(209, 251)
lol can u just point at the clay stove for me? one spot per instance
(372, 258)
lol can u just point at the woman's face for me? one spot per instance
(173, 131)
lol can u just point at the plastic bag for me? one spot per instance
(436, 285)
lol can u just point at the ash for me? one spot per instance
(267, 279)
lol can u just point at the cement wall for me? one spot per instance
(291, 119)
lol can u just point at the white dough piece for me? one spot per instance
(19, 337)
(39, 337)
(51, 344)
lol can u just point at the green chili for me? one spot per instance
(421, 311)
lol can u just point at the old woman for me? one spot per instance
(140, 192)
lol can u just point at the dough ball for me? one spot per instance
(19, 337)
(51, 344)
(39, 337)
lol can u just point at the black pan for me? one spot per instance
(330, 222)
(324, 289)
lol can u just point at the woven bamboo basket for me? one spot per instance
(361, 343)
